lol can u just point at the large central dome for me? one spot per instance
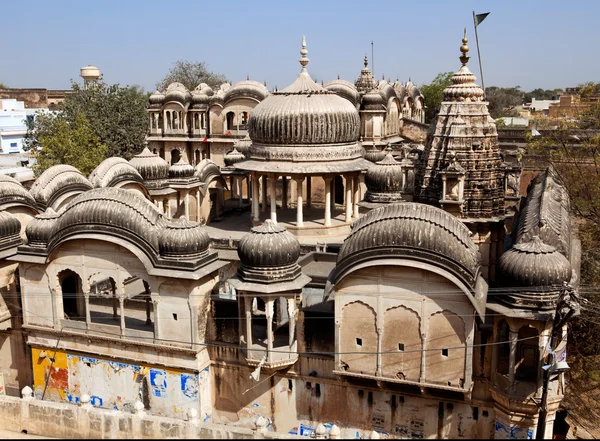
(304, 123)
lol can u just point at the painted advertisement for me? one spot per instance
(63, 376)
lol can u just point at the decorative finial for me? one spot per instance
(383, 77)
(265, 83)
(247, 77)
(338, 76)
(366, 61)
(322, 83)
(464, 58)
(304, 52)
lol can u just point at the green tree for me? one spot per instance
(502, 101)
(117, 116)
(3, 86)
(433, 94)
(191, 74)
(73, 143)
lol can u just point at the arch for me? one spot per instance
(71, 289)
(358, 338)
(339, 190)
(229, 118)
(527, 355)
(401, 344)
(175, 156)
(445, 349)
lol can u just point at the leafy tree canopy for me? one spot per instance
(64, 142)
(116, 115)
(191, 74)
(502, 101)
(3, 86)
(433, 94)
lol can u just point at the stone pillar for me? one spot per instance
(264, 194)
(513, 336)
(198, 205)
(284, 192)
(240, 190)
(327, 201)
(349, 185)
(356, 200)
(332, 199)
(269, 314)
(187, 204)
(291, 308)
(273, 198)
(379, 372)
(122, 307)
(248, 312)
(88, 318)
(299, 214)
(255, 198)
(308, 192)
(157, 334)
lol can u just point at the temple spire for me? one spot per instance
(464, 58)
(304, 52)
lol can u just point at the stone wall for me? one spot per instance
(84, 421)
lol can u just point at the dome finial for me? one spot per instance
(247, 77)
(304, 52)
(464, 58)
(366, 61)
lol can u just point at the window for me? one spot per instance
(475, 413)
(318, 390)
(290, 385)
(358, 341)
(401, 347)
(361, 393)
(394, 401)
(174, 316)
(444, 352)
(370, 397)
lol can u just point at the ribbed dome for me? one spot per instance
(373, 101)
(373, 154)
(13, 193)
(9, 225)
(345, 89)
(113, 171)
(384, 181)
(534, 264)
(269, 253)
(206, 170)
(150, 166)
(201, 96)
(39, 229)
(177, 92)
(246, 89)
(56, 181)
(233, 157)
(415, 231)
(182, 239)
(387, 92)
(181, 169)
(156, 100)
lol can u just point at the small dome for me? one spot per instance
(201, 96)
(207, 170)
(181, 169)
(374, 154)
(150, 165)
(534, 264)
(233, 157)
(373, 101)
(345, 89)
(39, 229)
(242, 145)
(177, 92)
(182, 239)
(113, 171)
(384, 180)
(57, 181)
(156, 100)
(387, 92)
(269, 253)
(10, 230)
(12, 193)
(246, 89)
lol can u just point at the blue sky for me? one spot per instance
(528, 43)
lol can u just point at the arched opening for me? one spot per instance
(104, 301)
(281, 323)
(243, 120)
(175, 156)
(230, 117)
(138, 306)
(161, 152)
(339, 190)
(154, 151)
(197, 158)
(72, 295)
(503, 347)
(526, 366)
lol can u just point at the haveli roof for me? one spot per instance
(246, 89)
(57, 181)
(12, 193)
(113, 171)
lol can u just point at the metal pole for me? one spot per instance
(479, 55)
(372, 59)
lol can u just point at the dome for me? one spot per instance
(373, 101)
(201, 96)
(387, 92)
(206, 170)
(13, 193)
(246, 89)
(10, 230)
(269, 253)
(182, 239)
(113, 171)
(400, 90)
(233, 157)
(150, 166)
(534, 264)
(181, 169)
(112, 211)
(242, 145)
(57, 181)
(39, 229)
(414, 231)
(374, 154)
(177, 92)
(345, 89)
(365, 81)
(384, 180)
(156, 100)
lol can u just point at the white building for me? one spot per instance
(12, 125)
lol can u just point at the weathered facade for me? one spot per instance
(413, 319)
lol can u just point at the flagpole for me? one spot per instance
(372, 59)
(478, 54)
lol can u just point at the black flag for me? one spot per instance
(480, 17)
